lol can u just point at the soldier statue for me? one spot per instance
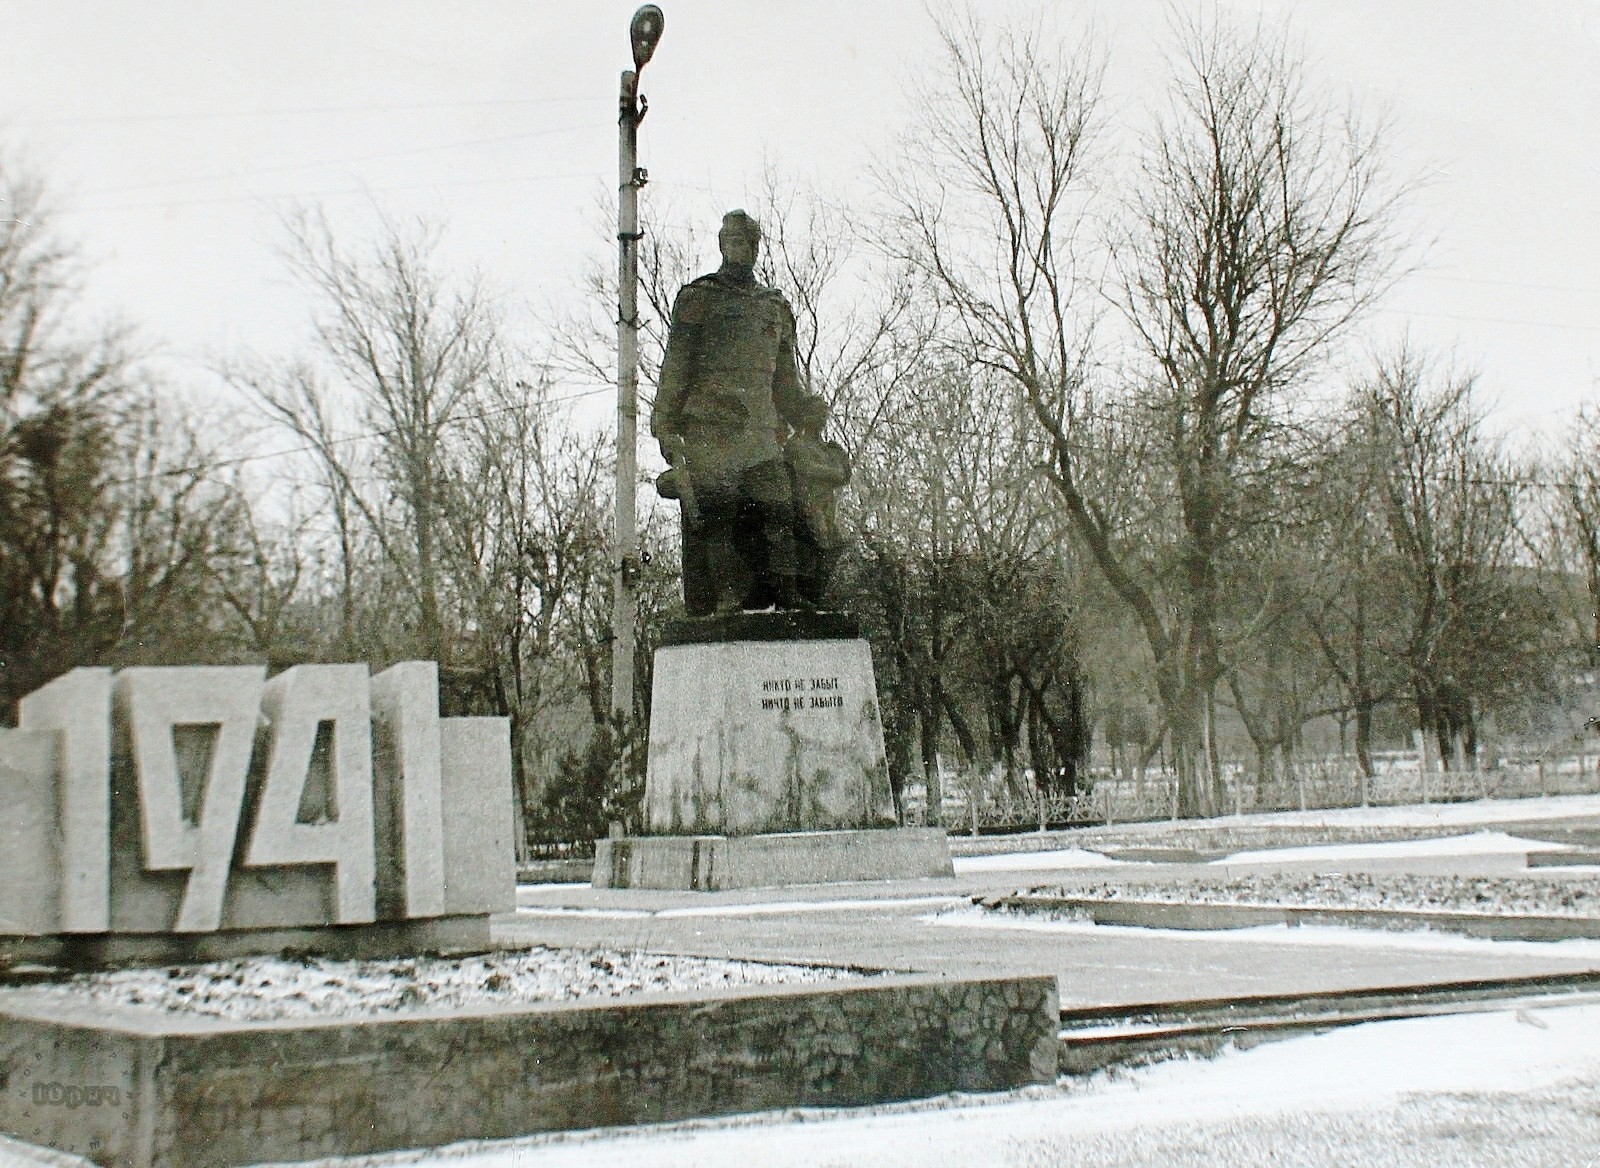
(753, 476)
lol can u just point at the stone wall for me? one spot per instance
(196, 1092)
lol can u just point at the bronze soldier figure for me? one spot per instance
(729, 397)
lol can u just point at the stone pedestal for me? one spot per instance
(716, 863)
(766, 763)
(761, 735)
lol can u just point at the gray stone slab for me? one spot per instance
(195, 1091)
(337, 831)
(750, 737)
(712, 863)
(407, 790)
(30, 848)
(184, 739)
(898, 925)
(77, 706)
(479, 852)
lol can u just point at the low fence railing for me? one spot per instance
(985, 805)
(1002, 806)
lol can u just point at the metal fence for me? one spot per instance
(986, 804)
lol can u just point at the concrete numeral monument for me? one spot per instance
(766, 759)
(161, 814)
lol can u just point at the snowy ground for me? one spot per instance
(1520, 1087)
(268, 988)
(1575, 896)
(1482, 843)
(1320, 936)
(1054, 861)
(1477, 844)
(1420, 815)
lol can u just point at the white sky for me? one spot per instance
(175, 131)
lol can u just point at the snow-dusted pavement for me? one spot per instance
(1520, 1087)
(1503, 1088)
(1472, 814)
(260, 989)
(1504, 852)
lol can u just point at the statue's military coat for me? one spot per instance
(728, 387)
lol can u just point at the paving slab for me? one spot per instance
(897, 925)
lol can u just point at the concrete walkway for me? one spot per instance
(928, 925)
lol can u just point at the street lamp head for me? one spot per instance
(644, 31)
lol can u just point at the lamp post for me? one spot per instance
(643, 31)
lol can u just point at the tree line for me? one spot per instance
(1132, 465)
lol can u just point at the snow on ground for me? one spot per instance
(270, 988)
(756, 909)
(1065, 858)
(1483, 843)
(1423, 814)
(1319, 935)
(1234, 1105)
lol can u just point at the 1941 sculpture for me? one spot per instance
(766, 760)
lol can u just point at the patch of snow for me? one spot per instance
(754, 909)
(774, 907)
(1059, 860)
(562, 910)
(1446, 892)
(1332, 936)
(1483, 843)
(271, 988)
(1430, 814)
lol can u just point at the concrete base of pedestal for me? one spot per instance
(778, 731)
(713, 863)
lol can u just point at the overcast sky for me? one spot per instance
(174, 132)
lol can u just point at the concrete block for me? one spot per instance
(408, 799)
(749, 737)
(480, 859)
(30, 833)
(195, 1092)
(189, 814)
(297, 703)
(77, 706)
(714, 863)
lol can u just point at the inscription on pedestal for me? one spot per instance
(791, 694)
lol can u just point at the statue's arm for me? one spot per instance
(677, 365)
(794, 402)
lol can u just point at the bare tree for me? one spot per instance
(1576, 516)
(413, 349)
(1479, 628)
(109, 505)
(1258, 229)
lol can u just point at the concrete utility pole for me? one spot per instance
(644, 31)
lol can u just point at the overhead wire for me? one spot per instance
(296, 111)
(343, 192)
(348, 439)
(338, 161)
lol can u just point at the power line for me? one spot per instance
(1511, 284)
(1495, 320)
(342, 192)
(344, 161)
(297, 111)
(311, 448)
